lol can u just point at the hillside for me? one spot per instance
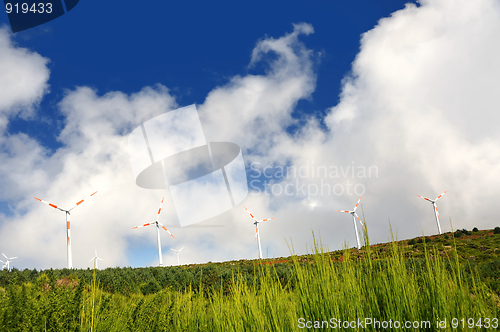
(479, 249)
(413, 284)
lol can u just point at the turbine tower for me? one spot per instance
(436, 213)
(95, 260)
(354, 216)
(177, 251)
(256, 223)
(158, 225)
(7, 263)
(68, 233)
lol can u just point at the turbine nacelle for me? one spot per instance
(158, 226)
(95, 258)
(436, 213)
(177, 252)
(6, 264)
(354, 217)
(257, 234)
(156, 223)
(68, 233)
(353, 212)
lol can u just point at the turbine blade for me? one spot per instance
(344, 211)
(5, 256)
(13, 258)
(81, 201)
(165, 228)
(100, 259)
(264, 220)
(159, 210)
(359, 220)
(148, 224)
(91, 259)
(355, 207)
(441, 195)
(181, 248)
(173, 250)
(424, 198)
(49, 204)
(251, 215)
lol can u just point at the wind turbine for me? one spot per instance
(6, 264)
(70, 257)
(95, 260)
(354, 216)
(158, 225)
(436, 213)
(177, 251)
(257, 235)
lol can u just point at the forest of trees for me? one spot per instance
(479, 249)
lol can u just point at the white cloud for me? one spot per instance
(420, 105)
(23, 82)
(254, 110)
(24, 79)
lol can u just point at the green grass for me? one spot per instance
(479, 250)
(383, 284)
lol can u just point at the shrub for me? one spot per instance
(496, 230)
(475, 229)
(446, 237)
(420, 240)
(411, 242)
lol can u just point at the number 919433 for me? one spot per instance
(36, 8)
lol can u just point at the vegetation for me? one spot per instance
(401, 281)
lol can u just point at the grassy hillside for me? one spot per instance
(476, 250)
(421, 280)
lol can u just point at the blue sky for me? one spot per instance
(190, 47)
(395, 86)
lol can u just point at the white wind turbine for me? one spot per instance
(436, 213)
(70, 257)
(7, 263)
(177, 251)
(257, 234)
(95, 260)
(158, 225)
(354, 216)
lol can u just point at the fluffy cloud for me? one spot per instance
(23, 83)
(24, 79)
(419, 106)
(94, 156)
(254, 110)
